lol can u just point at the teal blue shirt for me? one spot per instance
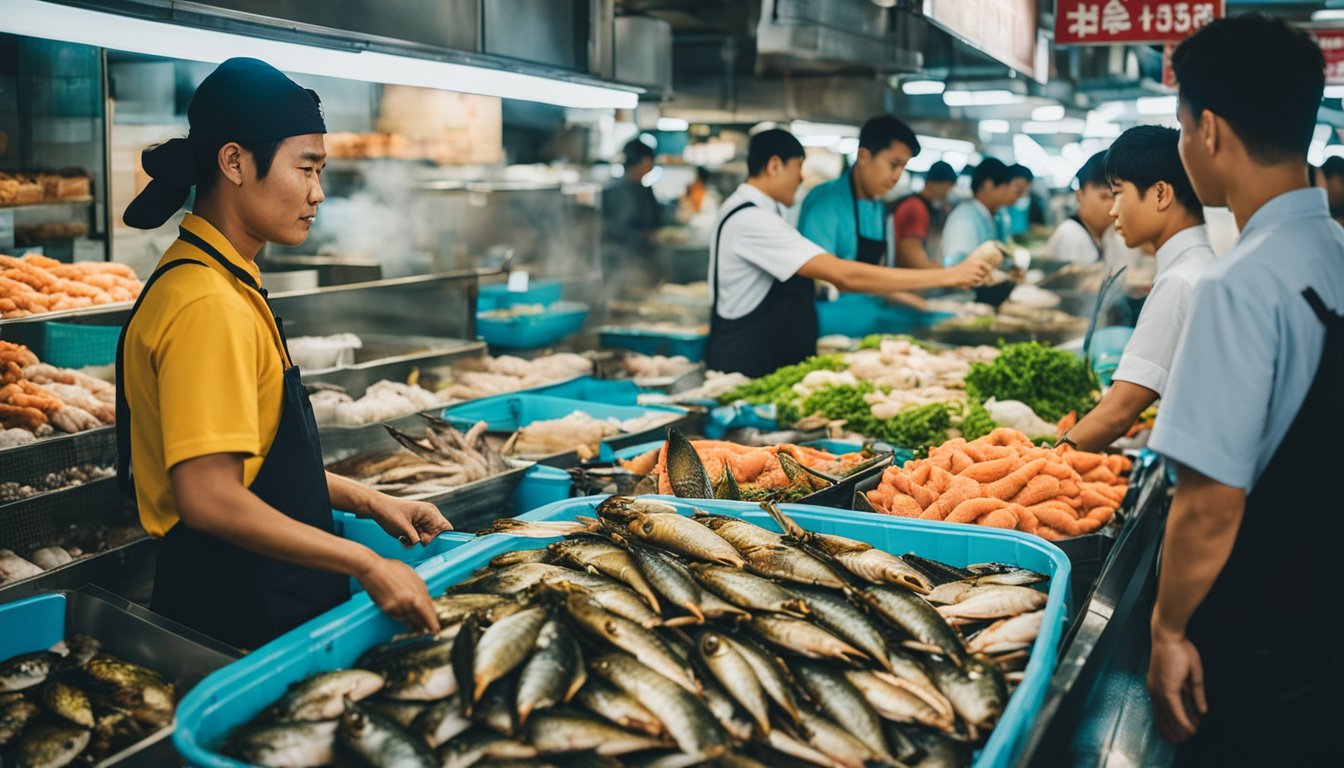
(827, 218)
(969, 225)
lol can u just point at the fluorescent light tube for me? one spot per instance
(105, 30)
(1047, 113)
(1156, 105)
(979, 98)
(994, 126)
(672, 124)
(923, 87)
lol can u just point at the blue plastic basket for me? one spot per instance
(31, 625)
(852, 314)
(561, 320)
(541, 485)
(591, 390)
(72, 345)
(669, 344)
(895, 318)
(234, 695)
(498, 295)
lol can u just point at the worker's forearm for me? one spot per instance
(1201, 529)
(911, 255)
(867, 278)
(233, 514)
(1103, 425)
(349, 495)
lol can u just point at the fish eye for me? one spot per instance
(610, 627)
(647, 527)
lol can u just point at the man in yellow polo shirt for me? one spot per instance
(212, 415)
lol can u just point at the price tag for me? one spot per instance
(518, 281)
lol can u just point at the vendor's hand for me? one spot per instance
(400, 593)
(1176, 684)
(989, 252)
(968, 274)
(411, 522)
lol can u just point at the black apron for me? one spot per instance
(214, 587)
(1268, 631)
(869, 251)
(781, 330)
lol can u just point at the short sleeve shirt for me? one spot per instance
(827, 218)
(911, 219)
(1252, 344)
(204, 373)
(1072, 242)
(756, 247)
(969, 225)
(1148, 356)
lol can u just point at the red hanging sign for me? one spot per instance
(1331, 41)
(1107, 22)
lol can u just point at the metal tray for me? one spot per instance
(127, 570)
(58, 452)
(392, 358)
(180, 655)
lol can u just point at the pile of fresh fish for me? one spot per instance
(649, 638)
(75, 705)
(55, 481)
(430, 466)
(69, 547)
(578, 432)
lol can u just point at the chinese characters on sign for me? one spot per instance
(1104, 22)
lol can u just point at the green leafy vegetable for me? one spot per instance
(775, 386)
(875, 340)
(1051, 381)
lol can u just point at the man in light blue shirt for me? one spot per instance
(1239, 673)
(847, 216)
(971, 225)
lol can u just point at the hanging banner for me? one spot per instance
(1005, 30)
(1110, 22)
(1331, 40)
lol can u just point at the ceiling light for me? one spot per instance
(1328, 15)
(819, 140)
(1048, 113)
(801, 128)
(1072, 125)
(1156, 105)
(672, 124)
(994, 126)
(105, 30)
(940, 144)
(979, 98)
(923, 87)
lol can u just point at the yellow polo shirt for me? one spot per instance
(204, 372)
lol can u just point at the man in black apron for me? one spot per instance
(762, 270)
(211, 413)
(1246, 663)
(918, 222)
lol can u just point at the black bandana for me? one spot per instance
(243, 100)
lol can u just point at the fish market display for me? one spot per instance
(55, 481)
(426, 467)
(1050, 381)
(704, 469)
(717, 384)
(650, 638)
(382, 401)
(1016, 319)
(73, 545)
(317, 352)
(40, 398)
(1004, 481)
(74, 705)
(657, 366)
(31, 285)
(578, 432)
(485, 376)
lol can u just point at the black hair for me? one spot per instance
(207, 162)
(878, 133)
(1262, 76)
(636, 152)
(1093, 172)
(940, 171)
(1333, 166)
(991, 170)
(1147, 154)
(775, 142)
(1020, 171)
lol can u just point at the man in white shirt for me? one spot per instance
(1245, 669)
(1154, 205)
(762, 270)
(1087, 236)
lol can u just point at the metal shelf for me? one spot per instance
(52, 206)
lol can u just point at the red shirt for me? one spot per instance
(911, 219)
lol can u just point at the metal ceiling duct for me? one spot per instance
(822, 37)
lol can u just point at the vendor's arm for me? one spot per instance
(857, 277)
(409, 521)
(211, 498)
(1112, 417)
(910, 254)
(1201, 529)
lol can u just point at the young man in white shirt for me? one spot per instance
(1154, 205)
(1087, 236)
(762, 270)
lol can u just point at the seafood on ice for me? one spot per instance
(485, 376)
(40, 398)
(422, 468)
(382, 401)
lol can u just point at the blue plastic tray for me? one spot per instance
(235, 694)
(31, 625)
(689, 345)
(76, 345)
(852, 314)
(562, 319)
(591, 390)
(498, 295)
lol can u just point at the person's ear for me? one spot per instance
(230, 159)
(1210, 131)
(774, 166)
(1166, 195)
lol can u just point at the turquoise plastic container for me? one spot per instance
(689, 345)
(852, 314)
(31, 625)
(541, 485)
(592, 390)
(75, 345)
(235, 694)
(561, 320)
(506, 413)
(497, 296)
